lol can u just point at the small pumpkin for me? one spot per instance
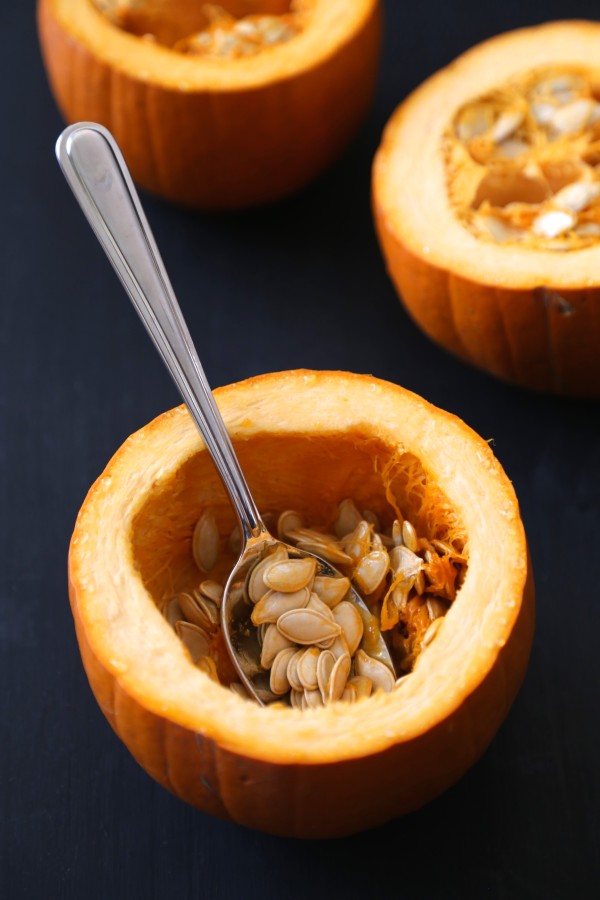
(199, 122)
(305, 440)
(486, 197)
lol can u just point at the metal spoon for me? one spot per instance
(98, 176)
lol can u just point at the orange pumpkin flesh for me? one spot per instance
(215, 133)
(525, 312)
(305, 440)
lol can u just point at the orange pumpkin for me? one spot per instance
(215, 131)
(305, 440)
(486, 202)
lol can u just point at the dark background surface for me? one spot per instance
(78, 818)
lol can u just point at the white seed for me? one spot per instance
(542, 112)
(577, 196)
(397, 533)
(381, 676)
(371, 571)
(325, 666)
(205, 541)
(307, 668)
(409, 536)
(288, 521)
(347, 518)
(349, 695)
(272, 643)
(292, 671)
(278, 681)
(174, 612)
(431, 631)
(404, 561)
(498, 229)
(339, 647)
(313, 699)
(275, 603)
(307, 626)
(338, 678)
(207, 665)
(572, 117)
(257, 587)
(213, 591)
(196, 640)
(552, 224)
(362, 685)
(474, 121)
(296, 698)
(506, 124)
(315, 602)
(330, 590)
(357, 544)
(350, 621)
(325, 549)
(194, 612)
(290, 575)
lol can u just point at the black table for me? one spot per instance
(78, 818)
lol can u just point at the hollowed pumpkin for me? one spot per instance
(305, 440)
(486, 195)
(210, 131)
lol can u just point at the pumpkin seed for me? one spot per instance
(290, 574)
(371, 570)
(338, 678)
(206, 541)
(362, 686)
(278, 681)
(431, 632)
(347, 518)
(194, 612)
(313, 699)
(256, 585)
(315, 602)
(307, 668)
(174, 612)
(272, 643)
(275, 603)
(292, 671)
(381, 677)
(212, 590)
(195, 639)
(350, 621)
(325, 666)
(349, 695)
(553, 223)
(330, 590)
(289, 521)
(307, 626)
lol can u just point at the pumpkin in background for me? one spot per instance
(216, 107)
(486, 197)
(305, 440)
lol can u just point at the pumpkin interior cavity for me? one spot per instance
(523, 161)
(311, 475)
(230, 30)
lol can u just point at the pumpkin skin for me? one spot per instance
(306, 438)
(531, 317)
(216, 134)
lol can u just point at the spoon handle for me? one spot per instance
(97, 174)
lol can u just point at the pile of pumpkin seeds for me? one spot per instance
(523, 162)
(314, 643)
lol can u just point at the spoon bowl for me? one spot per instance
(98, 176)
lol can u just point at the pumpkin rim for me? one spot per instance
(409, 155)
(340, 731)
(331, 26)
